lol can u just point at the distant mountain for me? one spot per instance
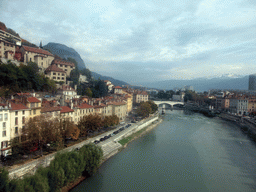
(113, 81)
(203, 84)
(65, 52)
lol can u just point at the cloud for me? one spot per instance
(144, 40)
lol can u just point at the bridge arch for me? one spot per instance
(170, 103)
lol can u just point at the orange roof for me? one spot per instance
(118, 87)
(26, 94)
(37, 50)
(33, 100)
(66, 109)
(50, 109)
(54, 68)
(19, 106)
(84, 106)
(62, 62)
(67, 88)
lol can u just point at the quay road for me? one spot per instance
(109, 147)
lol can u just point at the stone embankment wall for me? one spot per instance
(109, 148)
(241, 121)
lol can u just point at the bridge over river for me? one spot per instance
(170, 103)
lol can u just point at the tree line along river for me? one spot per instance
(186, 152)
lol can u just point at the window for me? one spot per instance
(4, 125)
(58, 73)
(54, 77)
(63, 73)
(1, 117)
(58, 78)
(65, 70)
(30, 59)
(23, 112)
(4, 134)
(16, 112)
(16, 130)
(62, 78)
(4, 144)
(34, 111)
(5, 116)
(42, 63)
(60, 65)
(16, 120)
(54, 73)
(23, 120)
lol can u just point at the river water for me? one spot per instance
(186, 152)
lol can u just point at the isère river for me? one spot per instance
(186, 152)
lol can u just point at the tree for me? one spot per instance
(153, 106)
(89, 123)
(88, 92)
(99, 89)
(4, 179)
(110, 120)
(144, 109)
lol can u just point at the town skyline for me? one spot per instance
(139, 41)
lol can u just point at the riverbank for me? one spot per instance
(140, 133)
(126, 140)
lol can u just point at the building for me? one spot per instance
(66, 66)
(82, 110)
(34, 105)
(66, 113)
(140, 96)
(252, 104)
(39, 56)
(118, 90)
(5, 128)
(252, 82)
(7, 49)
(51, 112)
(18, 115)
(8, 37)
(109, 85)
(238, 105)
(55, 73)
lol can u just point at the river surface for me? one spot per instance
(186, 152)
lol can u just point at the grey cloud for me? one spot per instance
(136, 42)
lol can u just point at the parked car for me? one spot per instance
(96, 141)
(102, 139)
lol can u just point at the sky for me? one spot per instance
(144, 40)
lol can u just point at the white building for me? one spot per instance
(5, 135)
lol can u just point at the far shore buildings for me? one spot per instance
(252, 82)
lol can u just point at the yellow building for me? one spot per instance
(34, 105)
(64, 65)
(42, 57)
(55, 73)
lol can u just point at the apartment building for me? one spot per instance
(5, 135)
(19, 113)
(140, 96)
(55, 73)
(66, 66)
(82, 110)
